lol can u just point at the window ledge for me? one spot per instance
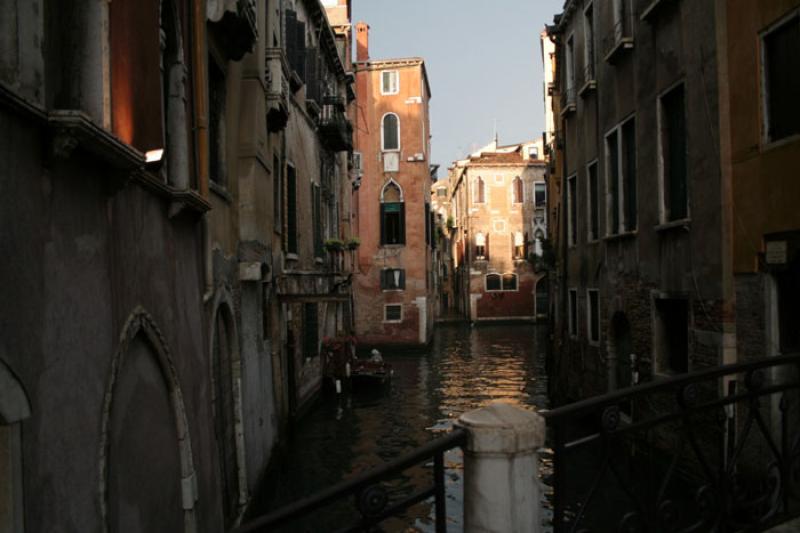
(587, 87)
(621, 236)
(767, 146)
(569, 108)
(292, 257)
(616, 52)
(674, 224)
(390, 246)
(221, 191)
(392, 290)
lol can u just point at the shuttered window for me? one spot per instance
(673, 155)
(291, 210)
(393, 279)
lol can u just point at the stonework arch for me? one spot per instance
(141, 330)
(226, 372)
(391, 183)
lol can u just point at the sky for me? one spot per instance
(484, 64)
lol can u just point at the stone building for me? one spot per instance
(678, 244)
(641, 259)
(107, 393)
(499, 199)
(394, 281)
(443, 221)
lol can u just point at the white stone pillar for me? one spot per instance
(501, 485)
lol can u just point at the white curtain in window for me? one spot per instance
(480, 239)
(519, 240)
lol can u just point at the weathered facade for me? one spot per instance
(176, 196)
(499, 212)
(678, 241)
(107, 418)
(394, 283)
(641, 260)
(759, 148)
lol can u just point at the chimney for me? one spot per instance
(362, 42)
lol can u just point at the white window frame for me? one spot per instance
(572, 204)
(589, 49)
(572, 314)
(590, 209)
(399, 137)
(592, 318)
(395, 74)
(544, 187)
(385, 307)
(766, 140)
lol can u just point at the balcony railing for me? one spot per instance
(587, 82)
(335, 130)
(619, 39)
(568, 103)
(712, 450)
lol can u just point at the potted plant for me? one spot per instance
(334, 245)
(353, 243)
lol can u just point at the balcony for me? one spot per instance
(313, 286)
(568, 104)
(650, 9)
(588, 82)
(619, 41)
(235, 27)
(335, 130)
(277, 90)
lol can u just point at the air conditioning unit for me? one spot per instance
(419, 157)
(391, 162)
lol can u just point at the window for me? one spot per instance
(570, 69)
(673, 146)
(593, 312)
(393, 215)
(592, 206)
(216, 123)
(310, 330)
(588, 43)
(517, 191)
(480, 246)
(393, 313)
(509, 282)
(441, 192)
(358, 164)
(538, 239)
(480, 191)
(390, 82)
(519, 245)
(672, 335)
(291, 210)
(428, 223)
(621, 15)
(782, 79)
(533, 152)
(494, 282)
(393, 279)
(572, 211)
(573, 313)
(621, 184)
(277, 194)
(539, 194)
(390, 132)
(316, 219)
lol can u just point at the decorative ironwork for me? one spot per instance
(370, 498)
(714, 450)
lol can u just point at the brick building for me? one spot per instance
(498, 200)
(394, 283)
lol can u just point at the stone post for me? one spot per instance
(501, 485)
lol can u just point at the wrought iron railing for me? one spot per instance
(369, 496)
(714, 450)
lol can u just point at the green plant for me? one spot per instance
(353, 243)
(334, 245)
(451, 222)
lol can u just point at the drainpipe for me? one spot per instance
(198, 48)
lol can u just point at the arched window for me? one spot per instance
(480, 246)
(480, 191)
(517, 191)
(390, 132)
(509, 282)
(393, 214)
(14, 408)
(493, 282)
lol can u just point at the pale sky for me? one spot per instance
(483, 59)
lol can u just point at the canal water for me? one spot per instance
(347, 435)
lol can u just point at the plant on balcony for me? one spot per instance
(334, 245)
(353, 243)
(451, 223)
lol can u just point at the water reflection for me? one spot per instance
(344, 436)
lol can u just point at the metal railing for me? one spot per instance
(714, 450)
(369, 497)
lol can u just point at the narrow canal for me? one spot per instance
(344, 436)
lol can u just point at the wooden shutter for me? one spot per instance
(383, 224)
(402, 239)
